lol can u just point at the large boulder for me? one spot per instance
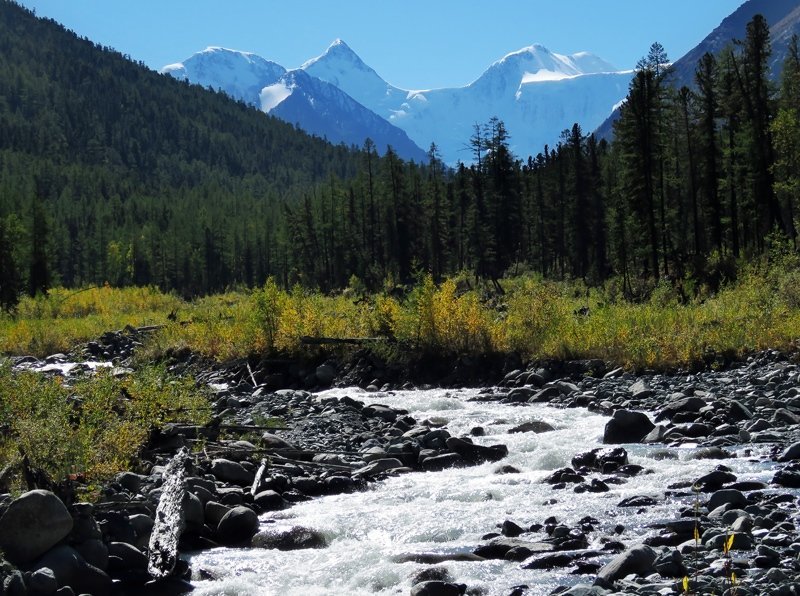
(33, 523)
(626, 426)
(237, 526)
(231, 471)
(269, 500)
(639, 560)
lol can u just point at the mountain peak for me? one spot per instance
(337, 51)
(339, 44)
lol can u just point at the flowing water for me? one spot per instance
(449, 511)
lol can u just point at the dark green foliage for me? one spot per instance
(10, 280)
(121, 171)
(112, 173)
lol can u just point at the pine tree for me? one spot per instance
(752, 79)
(706, 80)
(786, 138)
(9, 272)
(39, 269)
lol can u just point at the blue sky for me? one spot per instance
(410, 43)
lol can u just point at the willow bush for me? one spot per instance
(96, 425)
(534, 317)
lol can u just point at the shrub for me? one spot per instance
(97, 425)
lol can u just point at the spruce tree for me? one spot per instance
(39, 278)
(9, 272)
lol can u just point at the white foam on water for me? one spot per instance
(449, 511)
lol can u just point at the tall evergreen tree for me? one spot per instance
(39, 277)
(10, 281)
(786, 138)
(706, 80)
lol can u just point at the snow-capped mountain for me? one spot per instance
(319, 107)
(239, 74)
(536, 92)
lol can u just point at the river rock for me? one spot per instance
(637, 501)
(380, 465)
(670, 564)
(128, 556)
(731, 497)
(385, 413)
(237, 526)
(534, 426)
(438, 588)
(585, 590)
(714, 480)
(269, 500)
(70, 569)
(325, 374)
(193, 511)
(626, 426)
(497, 548)
(710, 453)
(33, 523)
(638, 560)
(737, 411)
(790, 453)
(438, 463)
(476, 454)
(602, 459)
(295, 538)
(43, 582)
(130, 481)
(231, 471)
(545, 395)
(787, 478)
(510, 529)
(272, 441)
(686, 404)
(94, 552)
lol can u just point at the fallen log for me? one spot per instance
(169, 520)
(319, 341)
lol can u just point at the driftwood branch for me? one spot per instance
(319, 341)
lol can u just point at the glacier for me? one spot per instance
(537, 93)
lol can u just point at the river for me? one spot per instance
(449, 511)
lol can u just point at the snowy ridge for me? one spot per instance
(319, 107)
(536, 92)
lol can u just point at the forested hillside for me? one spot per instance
(113, 173)
(132, 177)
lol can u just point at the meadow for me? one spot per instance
(533, 317)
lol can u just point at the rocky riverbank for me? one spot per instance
(269, 448)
